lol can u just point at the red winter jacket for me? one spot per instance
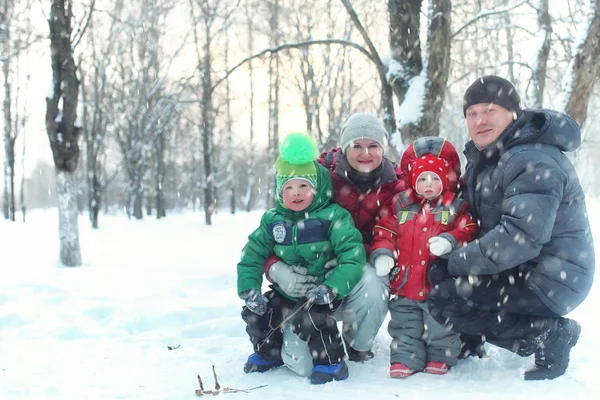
(365, 207)
(404, 232)
(410, 221)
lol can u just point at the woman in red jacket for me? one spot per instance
(423, 223)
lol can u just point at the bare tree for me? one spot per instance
(274, 83)
(205, 18)
(16, 35)
(251, 172)
(63, 133)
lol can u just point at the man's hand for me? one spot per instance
(383, 265)
(437, 271)
(321, 295)
(439, 246)
(255, 301)
(292, 279)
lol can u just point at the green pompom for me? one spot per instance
(298, 148)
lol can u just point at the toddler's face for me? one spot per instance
(297, 194)
(429, 185)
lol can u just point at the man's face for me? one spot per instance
(486, 121)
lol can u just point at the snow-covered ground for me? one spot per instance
(103, 331)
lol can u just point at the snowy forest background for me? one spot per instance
(147, 106)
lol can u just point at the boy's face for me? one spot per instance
(429, 185)
(364, 155)
(297, 194)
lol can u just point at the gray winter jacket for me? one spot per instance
(526, 196)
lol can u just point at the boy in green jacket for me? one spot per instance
(306, 230)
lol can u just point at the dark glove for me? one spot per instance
(472, 346)
(438, 271)
(321, 295)
(255, 301)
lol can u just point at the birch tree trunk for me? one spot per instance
(535, 94)
(61, 114)
(583, 72)
(9, 136)
(251, 178)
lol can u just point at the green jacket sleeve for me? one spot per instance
(251, 268)
(347, 245)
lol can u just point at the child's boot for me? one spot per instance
(436, 367)
(255, 363)
(329, 372)
(399, 370)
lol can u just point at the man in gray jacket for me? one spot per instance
(534, 260)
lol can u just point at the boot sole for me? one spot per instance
(250, 368)
(538, 375)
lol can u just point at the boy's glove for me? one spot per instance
(383, 265)
(292, 279)
(437, 271)
(321, 295)
(255, 301)
(439, 246)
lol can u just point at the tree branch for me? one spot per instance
(298, 45)
(79, 35)
(486, 13)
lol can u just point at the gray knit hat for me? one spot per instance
(362, 126)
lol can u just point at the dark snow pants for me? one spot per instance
(265, 331)
(417, 338)
(316, 325)
(313, 324)
(500, 307)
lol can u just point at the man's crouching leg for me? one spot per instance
(295, 353)
(363, 312)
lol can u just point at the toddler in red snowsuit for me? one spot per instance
(423, 224)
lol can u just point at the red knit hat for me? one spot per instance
(429, 163)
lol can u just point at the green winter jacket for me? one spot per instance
(308, 238)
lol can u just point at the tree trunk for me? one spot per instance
(438, 66)
(229, 169)
(584, 68)
(273, 104)
(535, 94)
(207, 129)
(250, 171)
(96, 202)
(160, 173)
(138, 201)
(9, 137)
(405, 43)
(68, 225)
(60, 126)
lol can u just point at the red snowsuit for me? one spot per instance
(410, 221)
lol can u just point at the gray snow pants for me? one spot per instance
(417, 338)
(362, 313)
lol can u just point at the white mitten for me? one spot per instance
(383, 265)
(439, 246)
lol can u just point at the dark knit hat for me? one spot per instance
(492, 89)
(362, 126)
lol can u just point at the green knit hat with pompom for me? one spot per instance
(297, 161)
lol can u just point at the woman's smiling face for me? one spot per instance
(364, 155)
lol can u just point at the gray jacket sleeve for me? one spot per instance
(533, 185)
